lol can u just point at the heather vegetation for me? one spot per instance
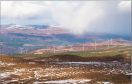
(110, 66)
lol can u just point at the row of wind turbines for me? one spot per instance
(109, 42)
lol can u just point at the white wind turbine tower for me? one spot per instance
(21, 50)
(83, 46)
(54, 49)
(95, 45)
(71, 48)
(26, 51)
(108, 44)
(111, 41)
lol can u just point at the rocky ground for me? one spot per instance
(14, 70)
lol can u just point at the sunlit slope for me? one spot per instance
(118, 52)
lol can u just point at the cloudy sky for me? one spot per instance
(78, 17)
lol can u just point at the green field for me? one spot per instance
(111, 52)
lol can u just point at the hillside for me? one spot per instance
(14, 38)
(67, 68)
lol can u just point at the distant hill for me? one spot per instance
(30, 37)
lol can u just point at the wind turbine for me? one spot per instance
(25, 51)
(95, 45)
(111, 41)
(83, 46)
(54, 49)
(108, 44)
(71, 47)
(21, 50)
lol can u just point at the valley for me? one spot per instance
(65, 42)
(49, 55)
